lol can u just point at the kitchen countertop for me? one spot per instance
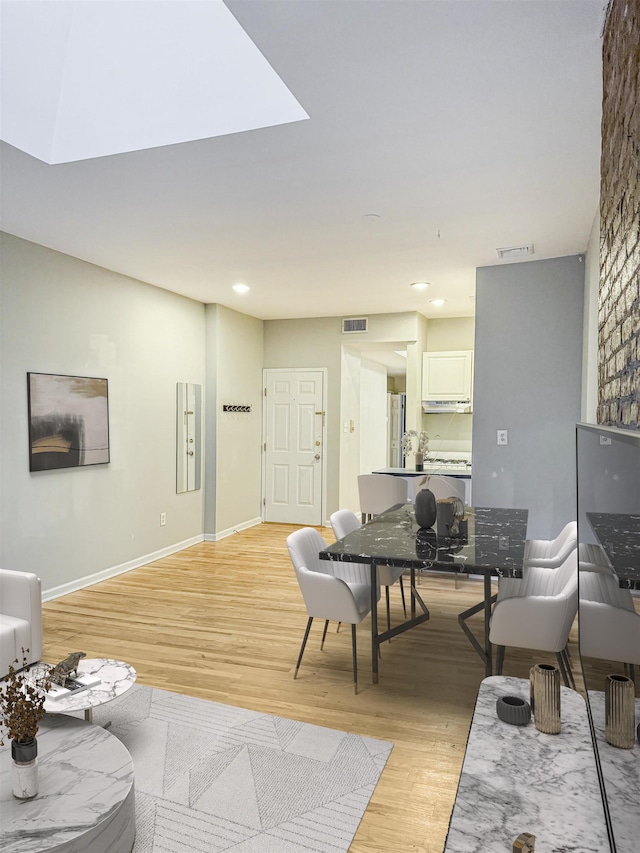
(462, 473)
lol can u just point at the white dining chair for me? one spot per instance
(593, 558)
(551, 553)
(343, 522)
(537, 612)
(326, 596)
(609, 623)
(441, 486)
(379, 492)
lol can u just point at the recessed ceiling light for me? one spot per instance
(437, 302)
(420, 285)
(241, 288)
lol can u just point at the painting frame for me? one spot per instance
(68, 419)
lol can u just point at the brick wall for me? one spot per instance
(619, 296)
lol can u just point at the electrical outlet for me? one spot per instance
(605, 439)
(502, 436)
(163, 519)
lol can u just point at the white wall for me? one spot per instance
(318, 342)
(350, 441)
(62, 315)
(234, 376)
(451, 333)
(373, 416)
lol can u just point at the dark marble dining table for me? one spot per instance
(490, 543)
(619, 535)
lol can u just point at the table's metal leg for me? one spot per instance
(413, 593)
(374, 623)
(486, 652)
(488, 661)
(88, 715)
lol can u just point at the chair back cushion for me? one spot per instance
(343, 522)
(304, 546)
(379, 492)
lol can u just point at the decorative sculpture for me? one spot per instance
(63, 670)
(524, 843)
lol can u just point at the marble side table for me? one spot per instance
(116, 677)
(516, 779)
(86, 793)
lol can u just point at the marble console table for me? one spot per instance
(621, 772)
(86, 793)
(515, 779)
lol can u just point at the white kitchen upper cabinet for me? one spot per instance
(447, 375)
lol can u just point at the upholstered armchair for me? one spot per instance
(20, 619)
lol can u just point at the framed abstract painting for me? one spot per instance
(68, 421)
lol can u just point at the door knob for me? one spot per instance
(317, 456)
(190, 453)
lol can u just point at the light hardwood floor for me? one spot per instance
(224, 621)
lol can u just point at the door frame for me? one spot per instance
(266, 371)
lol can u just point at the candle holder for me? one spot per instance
(619, 711)
(545, 697)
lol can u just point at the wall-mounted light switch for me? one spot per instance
(502, 436)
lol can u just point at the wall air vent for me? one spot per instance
(354, 324)
(515, 252)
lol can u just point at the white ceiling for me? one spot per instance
(463, 125)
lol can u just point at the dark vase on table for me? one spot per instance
(425, 508)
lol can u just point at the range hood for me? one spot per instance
(443, 407)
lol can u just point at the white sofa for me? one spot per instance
(20, 619)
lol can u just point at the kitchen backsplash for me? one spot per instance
(451, 433)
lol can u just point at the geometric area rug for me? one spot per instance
(212, 777)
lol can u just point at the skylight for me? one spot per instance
(100, 77)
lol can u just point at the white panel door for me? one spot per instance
(294, 445)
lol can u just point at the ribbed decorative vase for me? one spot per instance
(424, 505)
(445, 512)
(24, 769)
(545, 697)
(620, 711)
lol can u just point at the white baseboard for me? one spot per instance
(222, 534)
(105, 574)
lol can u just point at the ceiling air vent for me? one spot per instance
(515, 252)
(354, 324)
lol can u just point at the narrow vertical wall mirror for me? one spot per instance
(188, 437)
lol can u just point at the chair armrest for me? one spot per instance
(534, 622)
(21, 597)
